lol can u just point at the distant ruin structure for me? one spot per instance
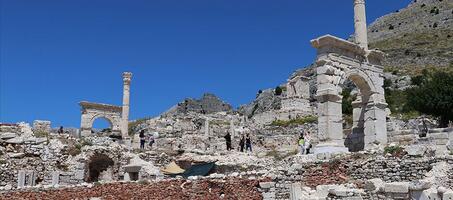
(117, 116)
(337, 61)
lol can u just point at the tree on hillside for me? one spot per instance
(433, 95)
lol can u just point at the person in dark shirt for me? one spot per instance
(242, 143)
(142, 139)
(228, 141)
(248, 143)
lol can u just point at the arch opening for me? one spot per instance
(101, 125)
(99, 168)
(356, 92)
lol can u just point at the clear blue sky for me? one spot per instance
(55, 53)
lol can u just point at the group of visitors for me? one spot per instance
(304, 143)
(245, 141)
(146, 137)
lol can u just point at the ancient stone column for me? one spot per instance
(125, 112)
(206, 127)
(360, 24)
(21, 179)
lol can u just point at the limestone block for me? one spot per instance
(416, 150)
(21, 179)
(420, 185)
(55, 178)
(295, 191)
(5, 136)
(397, 187)
(267, 185)
(374, 185)
(448, 195)
(430, 194)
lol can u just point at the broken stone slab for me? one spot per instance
(374, 185)
(448, 195)
(16, 155)
(267, 185)
(5, 136)
(416, 150)
(16, 140)
(397, 187)
(430, 194)
(420, 185)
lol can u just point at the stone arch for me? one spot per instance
(361, 79)
(339, 60)
(109, 119)
(93, 111)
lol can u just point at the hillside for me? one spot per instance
(418, 36)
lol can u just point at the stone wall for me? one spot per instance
(42, 126)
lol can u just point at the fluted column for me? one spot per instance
(125, 112)
(360, 24)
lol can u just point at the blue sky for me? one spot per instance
(55, 53)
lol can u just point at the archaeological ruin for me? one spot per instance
(293, 142)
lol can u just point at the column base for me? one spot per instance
(329, 147)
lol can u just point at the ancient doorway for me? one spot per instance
(97, 165)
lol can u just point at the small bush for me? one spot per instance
(41, 134)
(278, 91)
(396, 150)
(391, 27)
(297, 121)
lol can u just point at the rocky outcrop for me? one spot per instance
(208, 104)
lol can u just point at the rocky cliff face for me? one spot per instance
(415, 37)
(208, 104)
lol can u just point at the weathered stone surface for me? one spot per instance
(397, 187)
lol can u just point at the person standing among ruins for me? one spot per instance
(248, 143)
(307, 143)
(142, 139)
(242, 143)
(151, 140)
(228, 141)
(61, 130)
(302, 144)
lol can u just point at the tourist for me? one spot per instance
(151, 140)
(142, 139)
(307, 143)
(302, 144)
(248, 143)
(228, 141)
(60, 131)
(242, 143)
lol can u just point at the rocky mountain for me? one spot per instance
(415, 37)
(208, 104)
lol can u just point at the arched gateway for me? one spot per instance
(93, 111)
(337, 61)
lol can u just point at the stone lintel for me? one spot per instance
(334, 44)
(101, 107)
(380, 105)
(328, 95)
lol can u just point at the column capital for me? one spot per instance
(359, 2)
(127, 77)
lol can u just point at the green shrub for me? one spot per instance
(433, 96)
(297, 121)
(41, 134)
(2, 162)
(394, 150)
(278, 91)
